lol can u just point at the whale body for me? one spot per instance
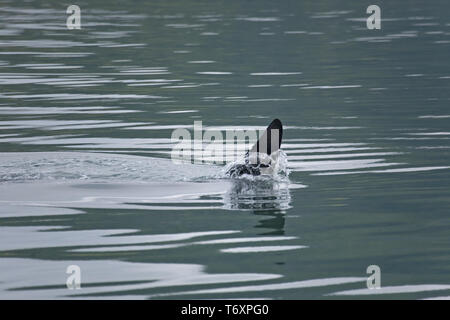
(259, 158)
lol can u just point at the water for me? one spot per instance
(86, 118)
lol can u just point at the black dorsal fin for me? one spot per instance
(268, 143)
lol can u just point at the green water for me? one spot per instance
(86, 118)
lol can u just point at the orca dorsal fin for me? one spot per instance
(270, 141)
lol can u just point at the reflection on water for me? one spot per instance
(266, 198)
(257, 194)
(85, 123)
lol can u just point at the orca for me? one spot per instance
(259, 158)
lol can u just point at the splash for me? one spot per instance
(273, 167)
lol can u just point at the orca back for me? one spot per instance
(268, 143)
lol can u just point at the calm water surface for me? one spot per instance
(86, 178)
